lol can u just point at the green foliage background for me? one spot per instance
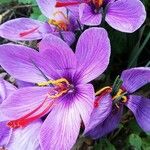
(128, 50)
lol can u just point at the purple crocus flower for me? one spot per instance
(59, 23)
(63, 90)
(23, 138)
(122, 15)
(107, 115)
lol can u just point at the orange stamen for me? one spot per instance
(22, 34)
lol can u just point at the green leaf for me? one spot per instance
(36, 13)
(42, 18)
(146, 143)
(135, 141)
(134, 127)
(137, 50)
(6, 1)
(104, 144)
(27, 1)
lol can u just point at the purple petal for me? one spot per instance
(5, 89)
(84, 100)
(100, 113)
(57, 53)
(2, 90)
(108, 1)
(74, 23)
(88, 16)
(21, 84)
(26, 138)
(24, 101)
(21, 29)
(46, 28)
(5, 134)
(67, 36)
(108, 125)
(135, 78)
(92, 58)
(61, 128)
(47, 7)
(19, 63)
(126, 15)
(10, 88)
(140, 106)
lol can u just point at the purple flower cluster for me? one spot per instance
(53, 96)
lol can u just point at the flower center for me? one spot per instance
(59, 87)
(119, 97)
(62, 23)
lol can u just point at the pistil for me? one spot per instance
(59, 87)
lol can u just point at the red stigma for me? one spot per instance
(96, 103)
(30, 117)
(65, 4)
(22, 34)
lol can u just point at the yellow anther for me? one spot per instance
(124, 99)
(54, 82)
(118, 94)
(103, 89)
